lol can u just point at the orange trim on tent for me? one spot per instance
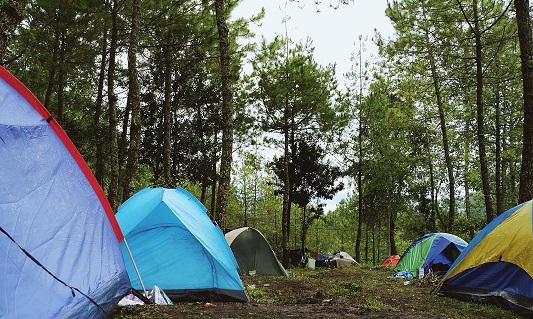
(45, 114)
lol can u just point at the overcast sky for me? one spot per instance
(334, 32)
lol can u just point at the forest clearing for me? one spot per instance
(347, 292)
(172, 124)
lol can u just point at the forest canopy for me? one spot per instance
(428, 138)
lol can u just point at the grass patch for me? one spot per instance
(348, 292)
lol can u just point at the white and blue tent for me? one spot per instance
(59, 240)
(177, 247)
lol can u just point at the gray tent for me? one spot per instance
(253, 252)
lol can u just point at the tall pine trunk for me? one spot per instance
(134, 103)
(112, 111)
(214, 175)
(98, 139)
(523, 21)
(167, 127)
(52, 70)
(360, 162)
(285, 217)
(481, 117)
(498, 146)
(360, 216)
(227, 114)
(123, 142)
(61, 77)
(445, 143)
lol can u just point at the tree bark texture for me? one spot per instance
(135, 104)
(167, 113)
(285, 217)
(526, 55)
(445, 143)
(360, 216)
(498, 154)
(61, 77)
(227, 114)
(98, 132)
(112, 112)
(481, 119)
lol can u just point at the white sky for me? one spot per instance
(334, 32)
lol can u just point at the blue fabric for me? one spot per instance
(174, 243)
(321, 257)
(486, 230)
(48, 206)
(440, 250)
(403, 274)
(489, 276)
(431, 250)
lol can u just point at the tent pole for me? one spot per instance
(135, 267)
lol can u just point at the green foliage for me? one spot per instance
(386, 126)
(290, 90)
(312, 176)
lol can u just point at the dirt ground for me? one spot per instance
(348, 292)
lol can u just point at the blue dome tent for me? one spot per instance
(59, 240)
(177, 247)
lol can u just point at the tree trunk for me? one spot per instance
(359, 189)
(135, 104)
(245, 202)
(303, 231)
(468, 210)
(360, 161)
(214, 177)
(52, 71)
(203, 195)
(167, 127)
(366, 242)
(523, 21)
(61, 77)
(227, 114)
(98, 140)
(374, 245)
(123, 141)
(112, 111)
(256, 195)
(285, 217)
(498, 174)
(393, 249)
(481, 118)
(11, 14)
(444, 131)
(432, 226)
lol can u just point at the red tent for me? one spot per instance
(390, 261)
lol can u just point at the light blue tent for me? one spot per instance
(59, 240)
(177, 247)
